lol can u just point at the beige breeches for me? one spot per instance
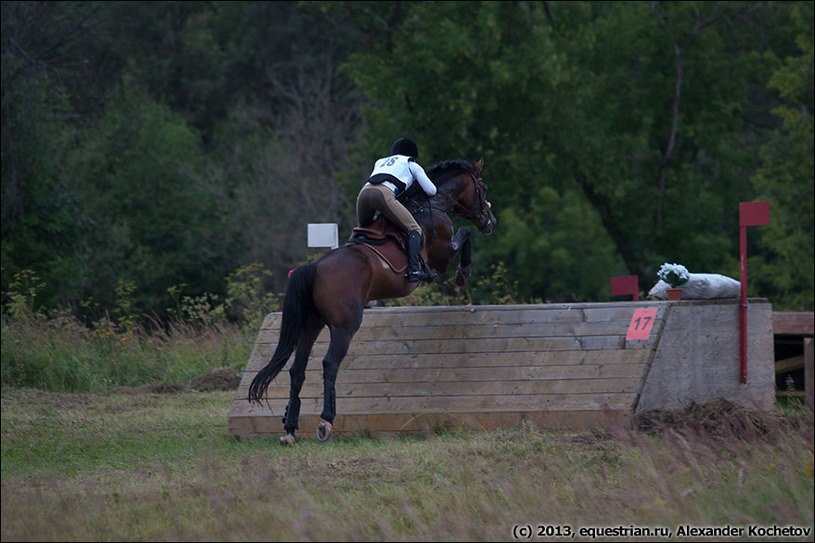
(373, 198)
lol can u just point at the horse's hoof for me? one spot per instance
(461, 277)
(287, 440)
(324, 431)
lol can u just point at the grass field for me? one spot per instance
(135, 465)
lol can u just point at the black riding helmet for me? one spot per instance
(406, 147)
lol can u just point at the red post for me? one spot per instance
(743, 305)
(625, 284)
(750, 214)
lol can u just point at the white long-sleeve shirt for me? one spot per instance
(406, 170)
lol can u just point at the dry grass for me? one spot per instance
(159, 467)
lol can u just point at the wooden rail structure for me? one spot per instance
(794, 356)
(557, 366)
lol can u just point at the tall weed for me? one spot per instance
(54, 350)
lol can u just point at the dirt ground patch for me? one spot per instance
(224, 378)
(720, 419)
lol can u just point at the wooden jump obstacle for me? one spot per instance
(557, 366)
(795, 352)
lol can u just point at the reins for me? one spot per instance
(483, 214)
(418, 205)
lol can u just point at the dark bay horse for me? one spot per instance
(334, 289)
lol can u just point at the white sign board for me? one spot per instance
(323, 235)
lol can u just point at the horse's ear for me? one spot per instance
(479, 164)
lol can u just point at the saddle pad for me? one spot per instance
(368, 233)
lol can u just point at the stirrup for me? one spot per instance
(420, 275)
(416, 276)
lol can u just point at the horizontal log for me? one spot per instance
(796, 323)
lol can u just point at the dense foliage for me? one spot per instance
(150, 150)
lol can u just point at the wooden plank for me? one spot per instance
(434, 360)
(424, 316)
(473, 316)
(796, 323)
(452, 333)
(789, 364)
(391, 425)
(314, 388)
(484, 331)
(456, 375)
(597, 323)
(444, 338)
(454, 404)
(476, 315)
(492, 315)
(498, 345)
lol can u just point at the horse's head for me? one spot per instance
(460, 183)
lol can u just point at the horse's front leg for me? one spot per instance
(462, 242)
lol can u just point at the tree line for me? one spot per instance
(158, 147)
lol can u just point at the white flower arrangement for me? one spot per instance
(673, 274)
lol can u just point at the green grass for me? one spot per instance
(142, 466)
(60, 354)
(85, 460)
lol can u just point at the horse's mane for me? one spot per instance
(415, 200)
(437, 172)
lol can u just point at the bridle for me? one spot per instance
(426, 205)
(482, 218)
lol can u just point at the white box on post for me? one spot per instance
(323, 235)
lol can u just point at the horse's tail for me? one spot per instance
(297, 306)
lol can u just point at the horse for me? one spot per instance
(334, 290)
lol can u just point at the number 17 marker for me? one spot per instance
(641, 323)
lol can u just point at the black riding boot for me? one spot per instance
(414, 247)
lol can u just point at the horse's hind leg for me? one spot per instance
(340, 341)
(462, 242)
(297, 373)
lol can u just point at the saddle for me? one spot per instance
(386, 240)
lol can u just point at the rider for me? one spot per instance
(390, 177)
